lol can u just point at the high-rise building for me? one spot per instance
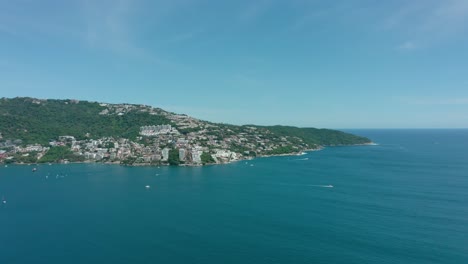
(165, 154)
(182, 154)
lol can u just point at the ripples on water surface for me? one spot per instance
(402, 201)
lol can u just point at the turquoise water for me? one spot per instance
(403, 201)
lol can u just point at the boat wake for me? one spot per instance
(309, 185)
(303, 159)
(323, 186)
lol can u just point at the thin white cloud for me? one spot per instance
(309, 18)
(254, 10)
(450, 15)
(430, 20)
(247, 80)
(408, 45)
(17, 21)
(317, 13)
(421, 22)
(107, 26)
(7, 29)
(103, 24)
(434, 101)
(183, 37)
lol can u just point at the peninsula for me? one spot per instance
(61, 131)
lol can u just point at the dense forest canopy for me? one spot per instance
(39, 121)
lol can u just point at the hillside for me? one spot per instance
(39, 121)
(145, 134)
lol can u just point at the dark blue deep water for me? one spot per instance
(403, 201)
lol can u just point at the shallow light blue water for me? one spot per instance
(403, 201)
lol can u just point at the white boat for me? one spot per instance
(147, 186)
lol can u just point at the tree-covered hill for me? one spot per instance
(39, 121)
(315, 136)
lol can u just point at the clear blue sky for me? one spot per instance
(334, 64)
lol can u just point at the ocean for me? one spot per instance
(404, 200)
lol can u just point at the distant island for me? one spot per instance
(62, 131)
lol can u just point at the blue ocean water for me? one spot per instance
(402, 201)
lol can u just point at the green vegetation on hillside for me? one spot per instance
(281, 150)
(25, 158)
(206, 158)
(173, 158)
(38, 121)
(56, 154)
(316, 137)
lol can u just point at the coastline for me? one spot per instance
(299, 153)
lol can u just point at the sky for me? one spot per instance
(326, 64)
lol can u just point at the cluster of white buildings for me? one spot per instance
(156, 130)
(31, 148)
(224, 153)
(196, 154)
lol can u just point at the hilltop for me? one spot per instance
(49, 130)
